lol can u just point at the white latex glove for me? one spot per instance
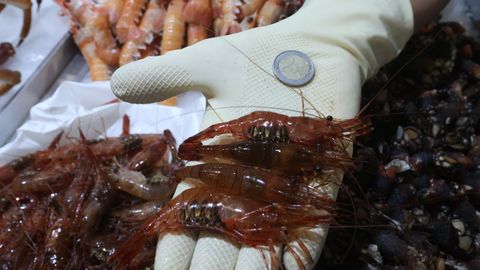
(347, 40)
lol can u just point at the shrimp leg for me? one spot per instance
(6, 51)
(8, 79)
(26, 6)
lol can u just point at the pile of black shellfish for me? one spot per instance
(417, 188)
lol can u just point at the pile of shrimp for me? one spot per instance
(71, 206)
(259, 190)
(112, 33)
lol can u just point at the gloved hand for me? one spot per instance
(347, 41)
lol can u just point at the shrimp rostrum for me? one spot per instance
(246, 221)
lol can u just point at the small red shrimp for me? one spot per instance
(136, 184)
(174, 27)
(58, 243)
(249, 222)
(153, 157)
(47, 180)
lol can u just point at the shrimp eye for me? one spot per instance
(330, 118)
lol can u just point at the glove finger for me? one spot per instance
(214, 252)
(151, 79)
(196, 67)
(305, 247)
(304, 251)
(251, 258)
(175, 250)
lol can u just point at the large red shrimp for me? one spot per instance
(248, 222)
(257, 184)
(262, 125)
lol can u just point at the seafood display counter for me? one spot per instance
(39, 60)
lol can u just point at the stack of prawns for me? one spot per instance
(112, 33)
(261, 190)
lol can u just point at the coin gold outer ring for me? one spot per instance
(293, 68)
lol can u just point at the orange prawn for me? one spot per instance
(99, 70)
(230, 24)
(150, 26)
(198, 15)
(270, 12)
(249, 222)
(105, 45)
(174, 27)
(130, 18)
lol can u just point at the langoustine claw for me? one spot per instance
(26, 6)
(6, 51)
(8, 79)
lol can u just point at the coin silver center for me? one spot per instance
(293, 68)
